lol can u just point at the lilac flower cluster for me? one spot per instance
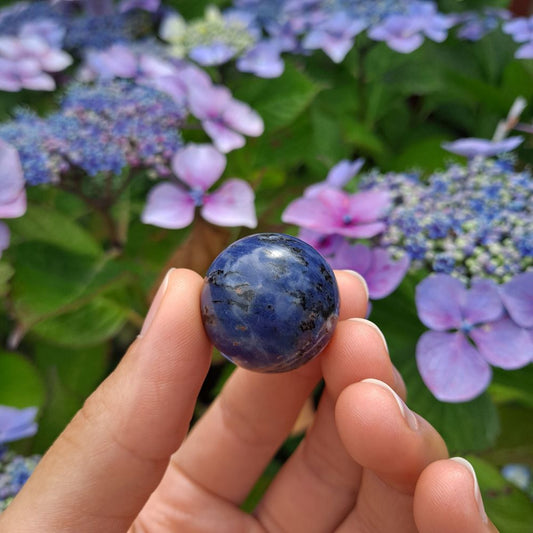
(223, 118)
(469, 221)
(259, 32)
(99, 128)
(14, 472)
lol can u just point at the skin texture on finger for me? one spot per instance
(394, 446)
(228, 449)
(103, 467)
(317, 486)
(447, 500)
(356, 352)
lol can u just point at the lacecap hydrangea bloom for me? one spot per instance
(469, 228)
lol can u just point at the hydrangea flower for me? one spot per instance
(474, 25)
(16, 424)
(263, 60)
(14, 472)
(223, 118)
(521, 30)
(332, 211)
(335, 35)
(473, 147)
(12, 191)
(469, 332)
(198, 167)
(25, 63)
(405, 32)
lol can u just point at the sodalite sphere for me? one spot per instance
(270, 302)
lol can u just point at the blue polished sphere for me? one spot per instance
(270, 302)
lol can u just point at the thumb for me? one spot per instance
(104, 466)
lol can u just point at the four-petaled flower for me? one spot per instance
(470, 332)
(329, 210)
(173, 205)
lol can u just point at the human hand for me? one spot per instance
(367, 464)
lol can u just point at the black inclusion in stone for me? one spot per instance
(270, 302)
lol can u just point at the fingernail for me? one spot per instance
(156, 302)
(477, 492)
(373, 326)
(360, 278)
(407, 414)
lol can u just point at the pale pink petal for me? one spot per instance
(243, 118)
(55, 60)
(15, 208)
(168, 206)
(40, 82)
(368, 206)
(208, 102)
(311, 213)
(223, 138)
(356, 257)
(11, 174)
(385, 274)
(11, 47)
(451, 367)
(116, 61)
(362, 231)
(199, 165)
(232, 204)
(153, 67)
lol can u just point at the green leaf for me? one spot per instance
(20, 382)
(89, 325)
(513, 385)
(508, 507)
(424, 154)
(280, 101)
(49, 225)
(80, 370)
(61, 406)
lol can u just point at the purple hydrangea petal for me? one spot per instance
(55, 60)
(362, 230)
(520, 29)
(368, 206)
(311, 213)
(263, 60)
(224, 138)
(8, 82)
(452, 369)
(517, 296)
(11, 47)
(15, 208)
(385, 274)
(472, 147)
(525, 51)
(232, 204)
(16, 423)
(155, 67)
(116, 61)
(39, 82)
(482, 302)
(169, 206)
(504, 344)
(47, 29)
(208, 102)
(438, 300)
(340, 174)
(242, 118)
(327, 245)
(11, 174)
(212, 54)
(356, 257)
(199, 165)
(4, 237)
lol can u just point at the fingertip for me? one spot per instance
(353, 294)
(447, 499)
(355, 352)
